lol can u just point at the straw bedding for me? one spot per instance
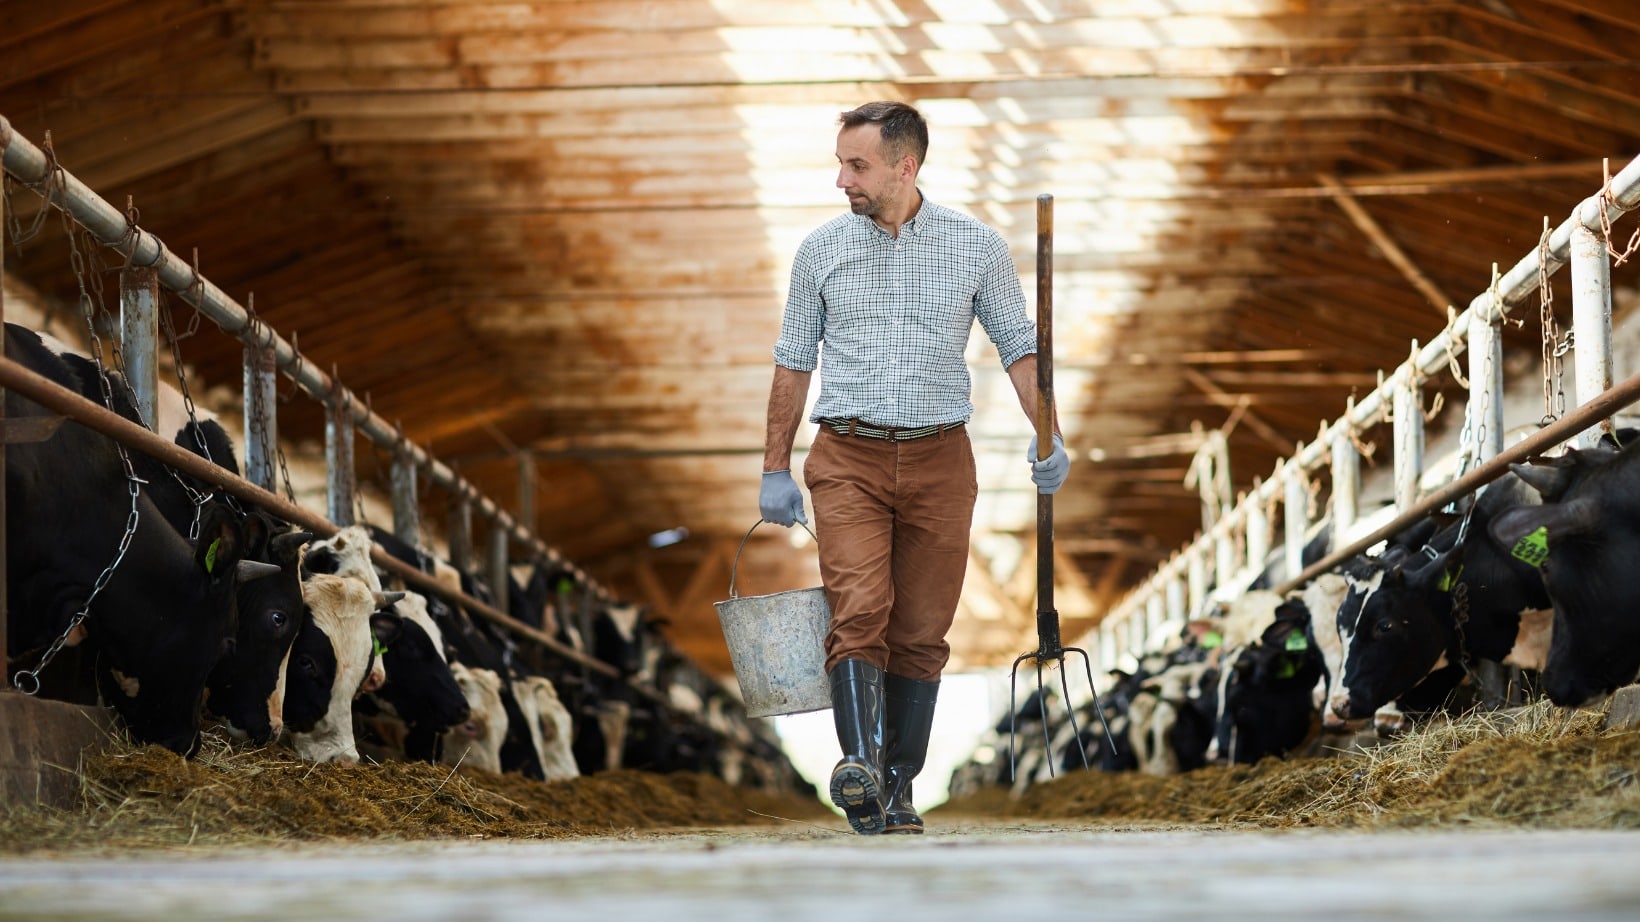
(144, 797)
(1538, 766)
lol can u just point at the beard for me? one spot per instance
(866, 205)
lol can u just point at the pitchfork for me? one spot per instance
(1049, 649)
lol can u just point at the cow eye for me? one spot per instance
(307, 665)
(278, 619)
(1384, 626)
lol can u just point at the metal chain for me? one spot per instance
(1605, 199)
(1460, 618)
(1554, 344)
(28, 680)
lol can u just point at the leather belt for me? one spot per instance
(866, 430)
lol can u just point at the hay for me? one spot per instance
(1538, 766)
(148, 797)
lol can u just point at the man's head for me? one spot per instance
(880, 148)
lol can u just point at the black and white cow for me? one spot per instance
(1415, 616)
(1586, 536)
(167, 612)
(420, 694)
(1269, 691)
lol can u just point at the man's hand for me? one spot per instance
(780, 502)
(1049, 473)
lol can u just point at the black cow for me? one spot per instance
(1587, 540)
(1269, 691)
(167, 612)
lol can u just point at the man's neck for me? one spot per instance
(902, 216)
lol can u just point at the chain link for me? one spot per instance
(1605, 199)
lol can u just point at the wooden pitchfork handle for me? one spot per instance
(1047, 618)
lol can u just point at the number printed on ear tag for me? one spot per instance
(1533, 548)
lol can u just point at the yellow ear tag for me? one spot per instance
(210, 555)
(1449, 579)
(1533, 548)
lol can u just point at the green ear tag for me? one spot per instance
(1297, 643)
(565, 586)
(377, 647)
(1286, 669)
(210, 555)
(1533, 548)
(1211, 640)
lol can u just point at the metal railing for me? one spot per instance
(1234, 549)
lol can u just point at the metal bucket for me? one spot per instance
(777, 645)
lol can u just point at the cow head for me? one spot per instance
(247, 688)
(1393, 627)
(331, 659)
(420, 687)
(154, 659)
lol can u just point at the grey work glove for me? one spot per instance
(1049, 473)
(779, 501)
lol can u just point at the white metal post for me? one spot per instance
(1296, 514)
(1346, 484)
(1591, 322)
(1197, 571)
(139, 339)
(1409, 439)
(499, 556)
(406, 511)
(1258, 531)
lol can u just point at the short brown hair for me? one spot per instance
(902, 126)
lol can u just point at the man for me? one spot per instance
(893, 290)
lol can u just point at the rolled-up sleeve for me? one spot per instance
(798, 347)
(1000, 305)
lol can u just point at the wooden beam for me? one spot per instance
(1230, 401)
(1387, 246)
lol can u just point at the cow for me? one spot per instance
(550, 727)
(477, 740)
(1583, 539)
(420, 698)
(332, 659)
(166, 613)
(1416, 621)
(1268, 694)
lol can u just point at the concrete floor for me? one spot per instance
(960, 871)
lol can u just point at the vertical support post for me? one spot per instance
(1258, 531)
(1107, 649)
(499, 556)
(1486, 385)
(1591, 322)
(139, 339)
(1155, 614)
(1175, 599)
(1409, 438)
(1346, 485)
(461, 533)
(261, 412)
(1295, 510)
(340, 486)
(1224, 552)
(526, 491)
(406, 513)
(1197, 569)
(5, 652)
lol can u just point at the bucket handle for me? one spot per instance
(736, 566)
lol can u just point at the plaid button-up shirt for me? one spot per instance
(895, 314)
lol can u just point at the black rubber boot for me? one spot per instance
(857, 707)
(909, 720)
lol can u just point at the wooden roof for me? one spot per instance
(565, 227)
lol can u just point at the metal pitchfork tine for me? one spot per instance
(1049, 649)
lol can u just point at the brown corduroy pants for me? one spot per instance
(892, 519)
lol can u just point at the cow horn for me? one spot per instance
(384, 599)
(255, 569)
(1550, 482)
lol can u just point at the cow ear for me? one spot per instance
(221, 542)
(386, 626)
(1558, 520)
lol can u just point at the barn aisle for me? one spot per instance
(979, 870)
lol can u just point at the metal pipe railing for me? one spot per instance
(1621, 195)
(34, 167)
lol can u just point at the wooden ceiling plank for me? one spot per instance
(1386, 245)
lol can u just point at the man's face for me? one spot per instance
(871, 182)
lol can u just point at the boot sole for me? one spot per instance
(855, 792)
